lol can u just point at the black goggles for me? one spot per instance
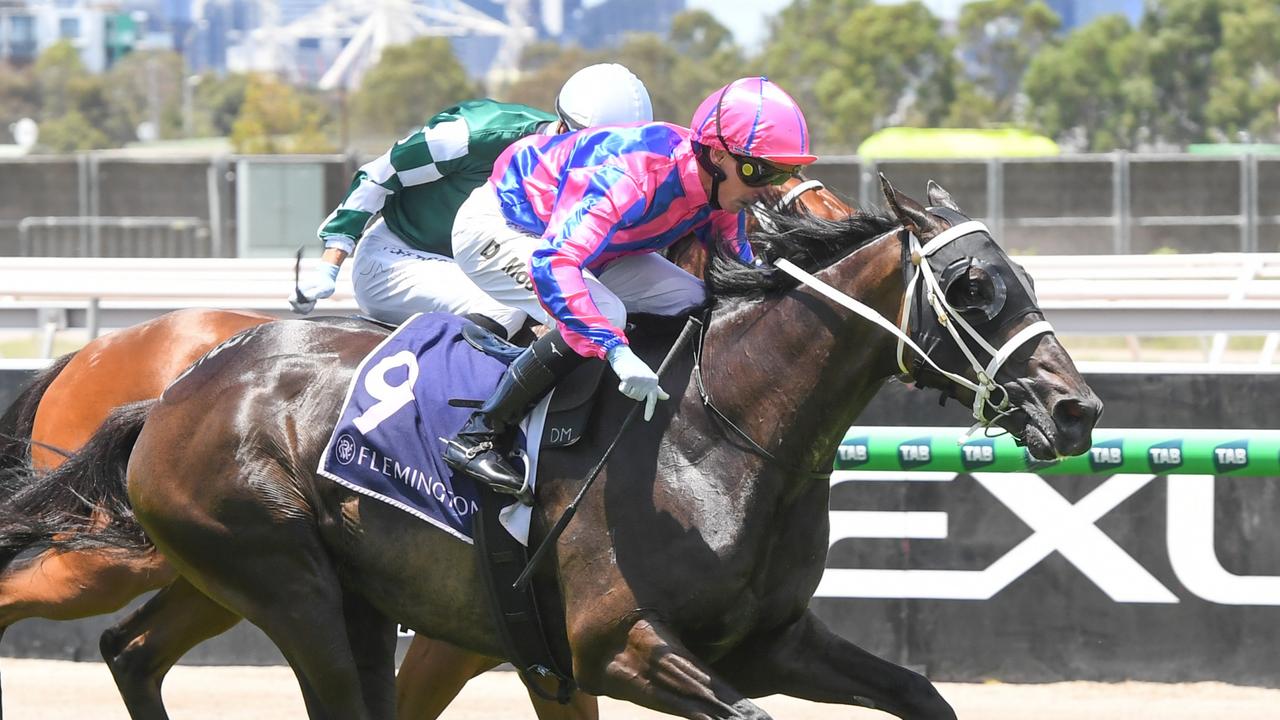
(755, 172)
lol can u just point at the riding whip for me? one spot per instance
(297, 276)
(572, 509)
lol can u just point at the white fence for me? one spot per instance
(1210, 294)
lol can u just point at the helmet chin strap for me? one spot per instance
(717, 176)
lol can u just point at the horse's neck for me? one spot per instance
(802, 368)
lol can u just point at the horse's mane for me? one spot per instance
(810, 242)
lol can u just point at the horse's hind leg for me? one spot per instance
(141, 648)
(807, 660)
(277, 574)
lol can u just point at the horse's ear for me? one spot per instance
(912, 214)
(939, 197)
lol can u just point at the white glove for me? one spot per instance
(319, 283)
(638, 382)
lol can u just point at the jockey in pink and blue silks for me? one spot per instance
(567, 230)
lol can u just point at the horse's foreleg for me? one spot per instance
(807, 660)
(141, 648)
(373, 645)
(581, 707)
(650, 667)
(431, 676)
(433, 673)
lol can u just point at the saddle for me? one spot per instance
(570, 407)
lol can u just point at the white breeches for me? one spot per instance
(496, 257)
(394, 281)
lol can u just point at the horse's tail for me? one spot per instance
(20, 417)
(82, 504)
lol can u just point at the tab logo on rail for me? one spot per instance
(977, 454)
(914, 453)
(1107, 456)
(1165, 457)
(853, 452)
(1231, 456)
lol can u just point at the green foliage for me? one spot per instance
(277, 119)
(409, 84)
(143, 87)
(71, 132)
(1244, 95)
(216, 103)
(19, 95)
(1094, 85)
(997, 40)
(884, 65)
(698, 56)
(1193, 71)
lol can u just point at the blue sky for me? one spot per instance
(746, 18)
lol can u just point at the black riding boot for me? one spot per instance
(479, 449)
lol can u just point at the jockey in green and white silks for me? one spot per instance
(405, 260)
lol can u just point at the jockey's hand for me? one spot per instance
(319, 283)
(639, 382)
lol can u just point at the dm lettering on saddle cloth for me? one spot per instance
(387, 441)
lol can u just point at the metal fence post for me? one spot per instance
(1249, 202)
(1121, 243)
(214, 178)
(95, 206)
(82, 195)
(995, 197)
(867, 179)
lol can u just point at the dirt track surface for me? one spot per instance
(54, 690)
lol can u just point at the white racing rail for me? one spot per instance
(1210, 294)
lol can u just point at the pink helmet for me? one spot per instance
(756, 118)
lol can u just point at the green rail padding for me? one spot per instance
(1246, 453)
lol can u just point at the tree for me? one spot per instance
(216, 102)
(144, 86)
(72, 111)
(998, 38)
(1096, 85)
(71, 132)
(708, 58)
(1182, 36)
(887, 65)
(63, 81)
(1245, 90)
(19, 95)
(409, 84)
(803, 39)
(544, 68)
(276, 118)
(698, 56)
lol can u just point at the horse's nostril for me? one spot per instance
(1075, 411)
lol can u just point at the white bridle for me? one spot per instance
(948, 318)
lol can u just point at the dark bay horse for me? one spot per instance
(69, 400)
(685, 579)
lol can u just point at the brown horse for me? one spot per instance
(685, 579)
(67, 402)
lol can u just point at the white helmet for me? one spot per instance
(604, 94)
